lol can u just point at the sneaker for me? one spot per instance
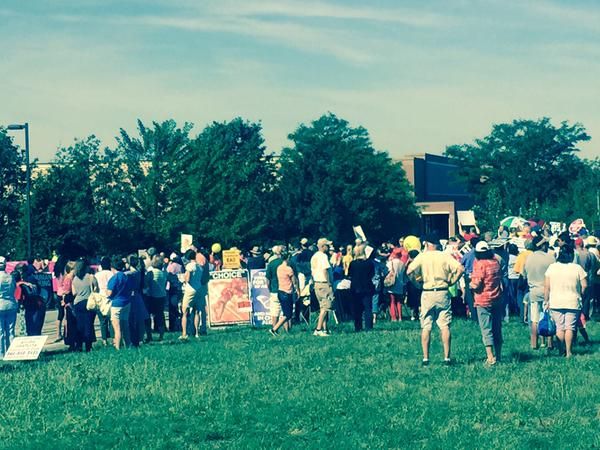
(447, 362)
(320, 333)
(183, 338)
(425, 363)
(274, 333)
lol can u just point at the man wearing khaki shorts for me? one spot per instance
(321, 274)
(437, 271)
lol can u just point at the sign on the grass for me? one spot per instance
(231, 259)
(229, 298)
(25, 348)
(260, 295)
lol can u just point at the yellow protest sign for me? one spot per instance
(231, 259)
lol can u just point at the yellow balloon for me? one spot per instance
(412, 243)
(216, 248)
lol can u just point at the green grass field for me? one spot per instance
(241, 388)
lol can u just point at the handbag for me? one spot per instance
(546, 326)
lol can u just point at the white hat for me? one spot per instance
(482, 246)
(303, 241)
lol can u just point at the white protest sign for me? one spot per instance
(25, 348)
(186, 242)
(359, 233)
(466, 218)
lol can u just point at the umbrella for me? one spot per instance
(512, 222)
(576, 226)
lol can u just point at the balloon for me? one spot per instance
(216, 248)
(412, 243)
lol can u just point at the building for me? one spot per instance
(438, 192)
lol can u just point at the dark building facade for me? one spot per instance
(438, 192)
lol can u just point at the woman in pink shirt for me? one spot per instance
(288, 286)
(486, 282)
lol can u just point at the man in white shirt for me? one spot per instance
(322, 278)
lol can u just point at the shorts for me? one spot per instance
(324, 294)
(275, 306)
(435, 305)
(193, 299)
(565, 319)
(120, 313)
(536, 305)
(287, 304)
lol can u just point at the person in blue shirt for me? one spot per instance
(120, 292)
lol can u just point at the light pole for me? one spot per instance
(25, 127)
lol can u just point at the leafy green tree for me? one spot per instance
(333, 178)
(12, 197)
(523, 167)
(64, 207)
(225, 183)
(147, 170)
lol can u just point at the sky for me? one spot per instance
(418, 75)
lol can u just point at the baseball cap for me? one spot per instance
(592, 240)
(304, 241)
(323, 241)
(482, 246)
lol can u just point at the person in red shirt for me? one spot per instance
(486, 283)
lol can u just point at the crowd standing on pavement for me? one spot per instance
(527, 273)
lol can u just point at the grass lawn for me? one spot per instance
(241, 388)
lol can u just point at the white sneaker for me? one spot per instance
(320, 333)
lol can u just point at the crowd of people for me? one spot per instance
(524, 273)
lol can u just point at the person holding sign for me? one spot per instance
(8, 308)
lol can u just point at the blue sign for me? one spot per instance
(259, 294)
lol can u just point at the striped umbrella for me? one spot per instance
(512, 222)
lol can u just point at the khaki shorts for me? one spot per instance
(435, 306)
(324, 294)
(536, 305)
(195, 300)
(274, 305)
(120, 313)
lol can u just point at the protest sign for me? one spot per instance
(186, 242)
(260, 295)
(359, 233)
(557, 227)
(228, 298)
(231, 259)
(466, 218)
(25, 348)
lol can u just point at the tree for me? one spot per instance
(333, 178)
(523, 166)
(64, 206)
(147, 170)
(225, 185)
(12, 196)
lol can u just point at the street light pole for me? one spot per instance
(25, 127)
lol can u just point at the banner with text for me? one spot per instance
(228, 298)
(259, 293)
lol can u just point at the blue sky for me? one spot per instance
(419, 75)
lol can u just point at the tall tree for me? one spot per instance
(225, 185)
(12, 195)
(64, 207)
(333, 178)
(151, 167)
(522, 166)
